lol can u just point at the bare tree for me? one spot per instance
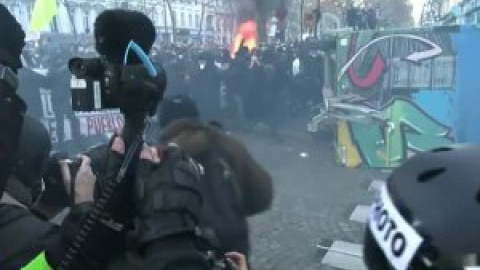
(71, 16)
(204, 4)
(302, 17)
(174, 20)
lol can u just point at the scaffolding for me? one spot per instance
(432, 14)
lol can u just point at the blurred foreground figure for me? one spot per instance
(234, 184)
(426, 216)
(12, 107)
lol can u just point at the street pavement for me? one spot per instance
(314, 198)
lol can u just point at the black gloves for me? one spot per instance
(167, 196)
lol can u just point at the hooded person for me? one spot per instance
(235, 185)
(205, 86)
(12, 107)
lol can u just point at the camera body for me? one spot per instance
(97, 84)
(91, 84)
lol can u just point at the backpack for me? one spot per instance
(223, 217)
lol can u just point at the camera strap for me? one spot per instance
(8, 77)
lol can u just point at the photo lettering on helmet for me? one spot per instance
(397, 239)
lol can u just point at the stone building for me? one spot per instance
(199, 21)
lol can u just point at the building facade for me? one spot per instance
(470, 11)
(193, 21)
(461, 12)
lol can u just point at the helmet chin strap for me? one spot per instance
(8, 77)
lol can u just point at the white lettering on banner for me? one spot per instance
(397, 239)
(67, 128)
(51, 126)
(47, 107)
(100, 124)
(49, 118)
(83, 126)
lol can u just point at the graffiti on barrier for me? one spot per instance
(390, 71)
(408, 130)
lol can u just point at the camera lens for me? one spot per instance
(90, 67)
(77, 67)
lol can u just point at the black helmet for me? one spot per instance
(177, 107)
(428, 213)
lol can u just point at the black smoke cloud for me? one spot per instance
(252, 9)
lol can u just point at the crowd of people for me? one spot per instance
(256, 89)
(182, 199)
(362, 18)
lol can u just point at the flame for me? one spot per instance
(246, 32)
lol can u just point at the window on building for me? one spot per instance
(219, 23)
(182, 19)
(86, 25)
(190, 20)
(161, 18)
(55, 24)
(470, 19)
(197, 20)
(209, 22)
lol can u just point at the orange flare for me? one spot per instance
(246, 32)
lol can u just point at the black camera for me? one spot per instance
(97, 84)
(91, 84)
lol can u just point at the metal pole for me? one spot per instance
(165, 18)
(302, 3)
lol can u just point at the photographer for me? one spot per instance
(36, 241)
(167, 194)
(234, 184)
(23, 195)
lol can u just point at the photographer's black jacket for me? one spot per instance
(22, 236)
